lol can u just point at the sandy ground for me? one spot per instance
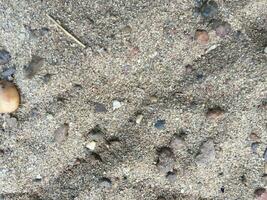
(67, 140)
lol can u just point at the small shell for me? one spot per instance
(9, 97)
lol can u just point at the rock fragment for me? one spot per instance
(105, 183)
(61, 133)
(116, 104)
(5, 57)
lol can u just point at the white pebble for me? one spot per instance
(116, 104)
(91, 145)
(265, 50)
(139, 118)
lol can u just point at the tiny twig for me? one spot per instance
(65, 31)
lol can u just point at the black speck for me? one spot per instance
(222, 189)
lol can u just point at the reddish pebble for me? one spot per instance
(202, 37)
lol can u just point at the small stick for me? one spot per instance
(65, 31)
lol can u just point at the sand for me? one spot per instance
(136, 54)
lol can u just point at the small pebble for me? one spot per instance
(160, 124)
(5, 57)
(116, 104)
(265, 168)
(206, 153)
(91, 145)
(223, 29)
(254, 137)
(171, 176)
(105, 183)
(100, 107)
(209, 9)
(126, 30)
(61, 133)
(202, 37)
(265, 50)
(215, 113)
(153, 99)
(9, 97)
(34, 66)
(254, 147)
(8, 73)
(38, 178)
(139, 118)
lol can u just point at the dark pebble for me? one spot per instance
(160, 124)
(100, 107)
(209, 9)
(34, 66)
(5, 57)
